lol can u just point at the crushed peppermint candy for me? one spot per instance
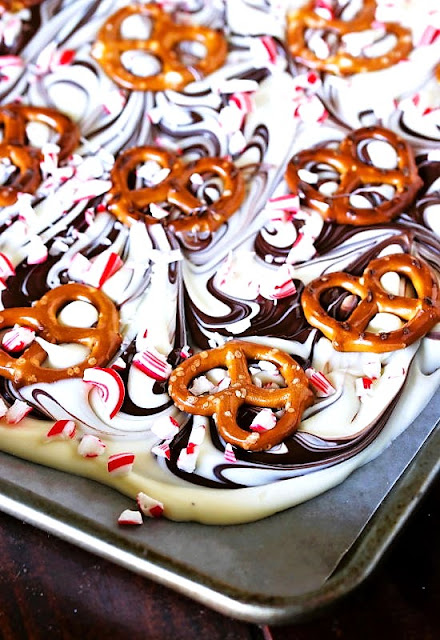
(364, 387)
(263, 421)
(6, 267)
(109, 385)
(165, 427)
(18, 338)
(153, 364)
(91, 446)
(130, 517)
(62, 430)
(187, 459)
(201, 385)
(323, 387)
(120, 463)
(162, 450)
(150, 507)
(229, 453)
(37, 252)
(17, 412)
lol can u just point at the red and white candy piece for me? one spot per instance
(149, 506)
(263, 421)
(162, 450)
(280, 286)
(36, 251)
(17, 338)
(153, 364)
(165, 428)
(91, 446)
(120, 463)
(17, 412)
(229, 453)
(323, 387)
(187, 459)
(130, 517)
(109, 385)
(3, 408)
(62, 430)
(102, 268)
(364, 387)
(6, 267)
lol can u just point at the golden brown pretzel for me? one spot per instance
(341, 62)
(354, 173)
(14, 146)
(17, 5)
(163, 42)
(126, 203)
(224, 405)
(419, 314)
(102, 339)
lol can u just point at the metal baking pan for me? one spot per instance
(277, 570)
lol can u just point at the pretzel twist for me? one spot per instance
(195, 216)
(419, 314)
(18, 5)
(14, 146)
(355, 173)
(224, 405)
(102, 340)
(342, 62)
(163, 43)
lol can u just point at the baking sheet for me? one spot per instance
(272, 571)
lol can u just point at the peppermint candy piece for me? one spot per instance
(6, 267)
(109, 385)
(18, 338)
(149, 506)
(322, 385)
(153, 364)
(130, 517)
(120, 463)
(91, 446)
(263, 421)
(62, 430)
(17, 412)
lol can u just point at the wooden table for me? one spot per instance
(50, 589)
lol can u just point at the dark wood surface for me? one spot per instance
(51, 589)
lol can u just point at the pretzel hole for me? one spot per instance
(8, 171)
(380, 44)
(322, 177)
(370, 196)
(339, 303)
(190, 52)
(148, 174)
(78, 313)
(136, 27)
(378, 153)
(38, 134)
(322, 43)
(140, 63)
(397, 285)
(207, 187)
(210, 382)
